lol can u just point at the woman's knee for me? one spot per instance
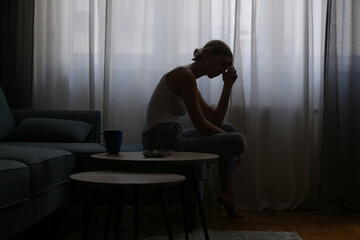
(236, 141)
(242, 139)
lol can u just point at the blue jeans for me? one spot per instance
(171, 136)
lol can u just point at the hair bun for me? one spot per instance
(197, 53)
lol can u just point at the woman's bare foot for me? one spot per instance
(229, 204)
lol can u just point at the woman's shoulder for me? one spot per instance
(180, 78)
(182, 72)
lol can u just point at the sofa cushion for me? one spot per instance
(91, 117)
(14, 182)
(7, 122)
(75, 148)
(50, 130)
(47, 167)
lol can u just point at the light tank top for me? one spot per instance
(164, 105)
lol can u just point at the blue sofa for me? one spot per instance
(40, 149)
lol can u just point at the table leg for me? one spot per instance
(186, 226)
(201, 209)
(168, 228)
(88, 207)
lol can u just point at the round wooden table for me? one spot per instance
(173, 157)
(128, 179)
(133, 180)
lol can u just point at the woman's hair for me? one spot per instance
(218, 47)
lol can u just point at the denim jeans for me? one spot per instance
(227, 145)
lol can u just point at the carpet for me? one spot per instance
(198, 235)
(229, 235)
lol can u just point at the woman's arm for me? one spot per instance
(217, 115)
(187, 89)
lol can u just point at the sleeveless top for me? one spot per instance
(164, 105)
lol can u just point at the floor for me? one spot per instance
(310, 225)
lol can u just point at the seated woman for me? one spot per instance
(176, 94)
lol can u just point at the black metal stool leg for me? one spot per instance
(167, 222)
(186, 226)
(202, 215)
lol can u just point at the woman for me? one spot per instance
(176, 94)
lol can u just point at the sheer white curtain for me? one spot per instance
(145, 39)
(109, 55)
(140, 40)
(68, 54)
(277, 100)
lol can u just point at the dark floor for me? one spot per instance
(310, 225)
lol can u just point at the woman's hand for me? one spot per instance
(230, 75)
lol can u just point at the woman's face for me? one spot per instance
(217, 64)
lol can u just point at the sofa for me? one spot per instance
(40, 149)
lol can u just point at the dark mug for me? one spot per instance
(112, 140)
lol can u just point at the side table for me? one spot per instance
(178, 158)
(133, 180)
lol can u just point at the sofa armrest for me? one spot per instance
(91, 117)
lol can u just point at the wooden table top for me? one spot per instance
(173, 157)
(128, 179)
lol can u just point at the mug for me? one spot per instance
(112, 140)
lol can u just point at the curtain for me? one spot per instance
(109, 55)
(340, 175)
(69, 54)
(277, 102)
(82, 63)
(16, 45)
(148, 38)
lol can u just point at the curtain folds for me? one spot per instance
(77, 67)
(17, 51)
(340, 175)
(69, 54)
(278, 100)
(109, 55)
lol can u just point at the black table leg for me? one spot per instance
(182, 195)
(202, 215)
(167, 222)
(186, 226)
